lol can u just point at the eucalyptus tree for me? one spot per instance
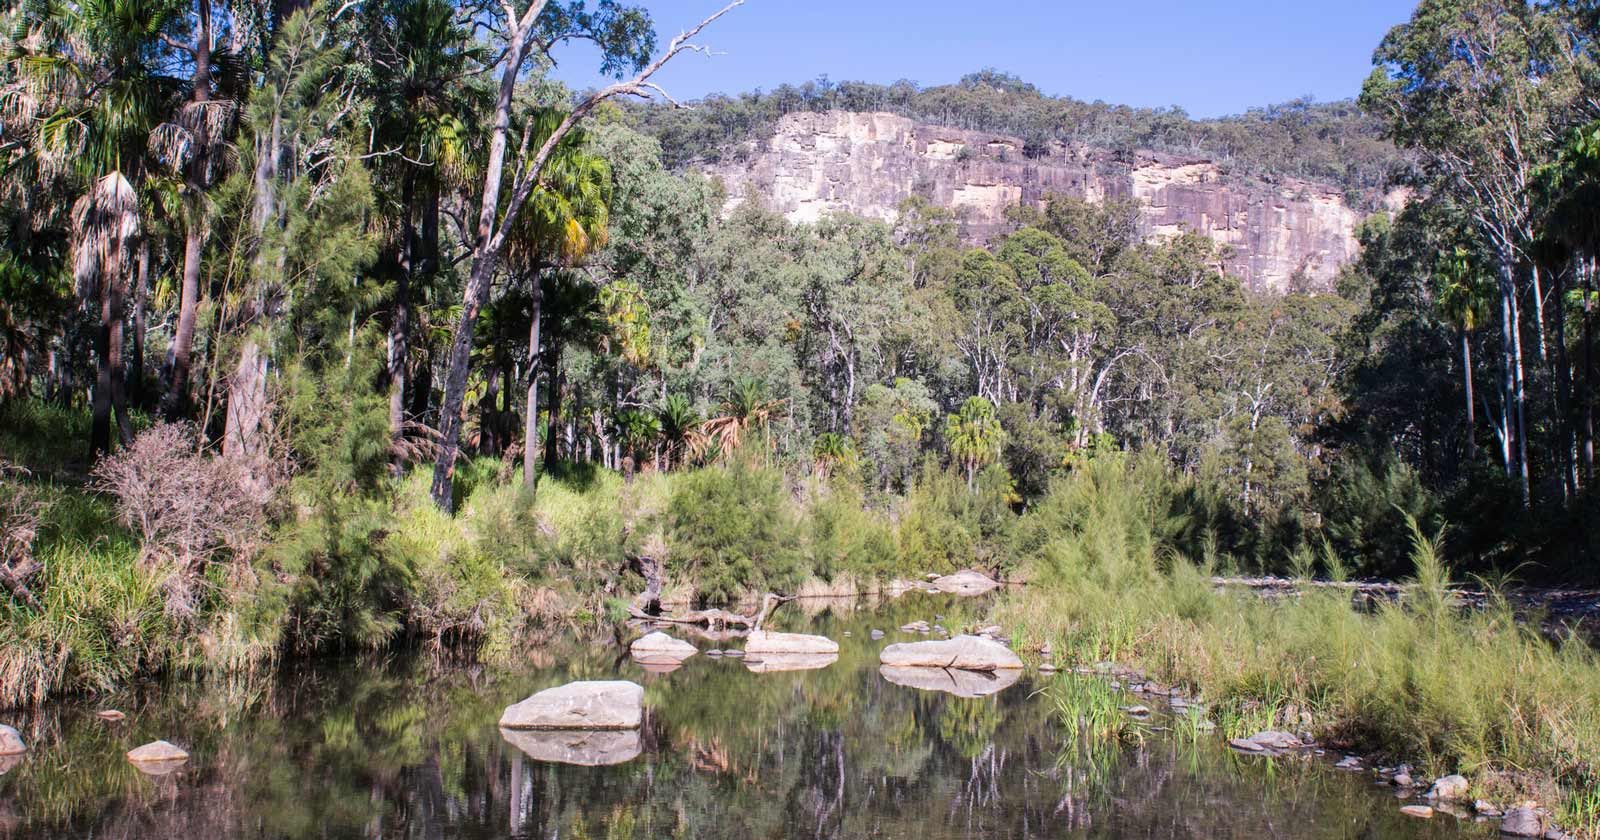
(1483, 89)
(625, 41)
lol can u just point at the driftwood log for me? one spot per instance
(713, 618)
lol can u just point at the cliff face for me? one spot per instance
(867, 163)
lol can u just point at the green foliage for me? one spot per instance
(730, 530)
(945, 526)
(842, 536)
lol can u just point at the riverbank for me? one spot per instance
(1472, 691)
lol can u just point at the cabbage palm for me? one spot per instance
(678, 421)
(562, 224)
(1463, 300)
(974, 435)
(87, 98)
(832, 451)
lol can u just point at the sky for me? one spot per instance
(1210, 58)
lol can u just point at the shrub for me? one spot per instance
(844, 538)
(730, 531)
(945, 526)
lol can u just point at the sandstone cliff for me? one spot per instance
(866, 163)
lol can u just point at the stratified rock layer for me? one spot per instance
(867, 163)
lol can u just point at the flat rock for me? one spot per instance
(659, 647)
(1419, 811)
(1274, 740)
(951, 681)
(157, 752)
(1449, 788)
(764, 642)
(583, 747)
(1522, 821)
(968, 653)
(967, 582)
(598, 704)
(772, 663)
(916, 627)
(11, 742)
(110, 715)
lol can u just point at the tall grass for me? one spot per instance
(1475, 691)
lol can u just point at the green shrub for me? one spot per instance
(730, 530)
(843, 537)
(945, 526)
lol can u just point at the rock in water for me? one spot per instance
(764, 642)
(875, 635)
(658, 647)
(157, 758)
(1522, 821)
(11, 742)
(583, 747)
(1420, 811)
(966, 582)
(951, 681)
(599, 704)
(968, 653)
(1449, 788)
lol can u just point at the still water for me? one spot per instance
(408, 748)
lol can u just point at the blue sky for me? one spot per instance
(1211, 58)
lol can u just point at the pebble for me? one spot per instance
(1402, 780)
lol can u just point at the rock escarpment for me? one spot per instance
(867, 163)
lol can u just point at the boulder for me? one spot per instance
(1449, 788)
(658, 647)
(583, 747)
(968, 653)
(1420, 811)
(599, 704)
(772, 663)
(951, 681)
(965, 582)
(157, 758)
(764, 643)
(1523, 821)
(11, 742)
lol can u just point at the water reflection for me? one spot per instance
(409, 748)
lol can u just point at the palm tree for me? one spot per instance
(637, 432)
(974, 436)
(746, 410)
(678, 421)
(832, 451)
(1463, 299)
(563, 224)
(88, 100)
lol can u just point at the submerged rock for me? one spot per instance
(659, 647)
(967, 582)
(764, 643)
(969, 653)
(599, 704)
(583, 747)
(11, 742)
(955, 681)
(771, 663)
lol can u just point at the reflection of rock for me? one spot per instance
(110, 715)
(585, 747)
(764, 643)
(659, 666)
(11, 742)
(160, 768)
(660, 649)
(951, 680)
(965, 582)
(9, 762)
(600, 704)
(969, 653)
(774, 662)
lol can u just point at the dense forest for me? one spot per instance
(1335, 142)
(328, 325)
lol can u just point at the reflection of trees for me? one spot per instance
(400, 750)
